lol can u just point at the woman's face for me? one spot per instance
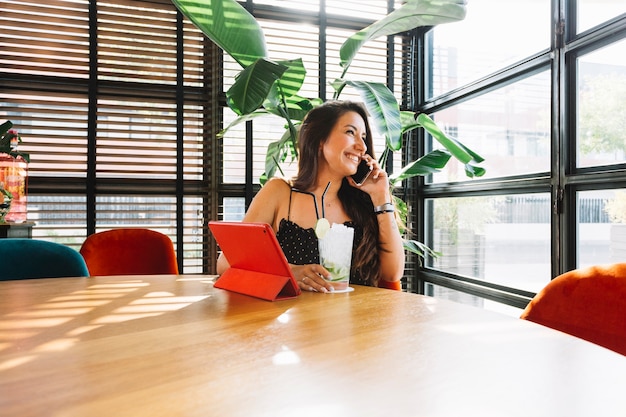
(345, 145)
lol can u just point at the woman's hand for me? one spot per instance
(376, 185)
(311, 278)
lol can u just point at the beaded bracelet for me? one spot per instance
(385, 208)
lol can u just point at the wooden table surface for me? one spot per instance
(175, 346)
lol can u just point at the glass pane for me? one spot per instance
(157, 213)
(509, 127)
(296, 5)
(53, 128)
(287, 41)
(593, 12)
(48, 40)
(231, 69)
(371, 10)
(602, 106)
(234, 209)
(486, 40)
(267, 130)
(193, 143)
(234, 150)
(60, 218)
(500, 239)
(136, 139)
(194, 235)
(369, 64)
(438, 291)
(601, 227)
(150, 30)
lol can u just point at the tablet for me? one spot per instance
(258, 266)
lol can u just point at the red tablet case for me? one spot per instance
(258, 266)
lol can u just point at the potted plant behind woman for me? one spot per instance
(266, 87)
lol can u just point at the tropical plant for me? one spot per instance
(266, 87)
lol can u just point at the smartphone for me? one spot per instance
(362, 172)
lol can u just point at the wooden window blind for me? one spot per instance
(112, 99)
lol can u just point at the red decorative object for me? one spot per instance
(14, 178)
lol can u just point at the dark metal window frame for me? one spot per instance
(562, 182)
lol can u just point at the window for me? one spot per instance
(545, 106)
(493, 35)
(601, 118)
(111, 102)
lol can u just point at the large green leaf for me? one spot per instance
(456, 148)
(474, 171)
(420, 249)
(241, 119)
(273, 158)
(459, 152)
(277, 152)
(383, 108)
(403, 212)
(414, 13)
(428, 164)
(286, 87)
(292, 79)
(297, 107)
(228, 25)
(253, 85)
(409, 121)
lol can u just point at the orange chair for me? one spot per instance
(394, 285)
(129, 252)
(589, 303)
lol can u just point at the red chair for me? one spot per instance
(129, 252)
(589, 303)
(390, 285)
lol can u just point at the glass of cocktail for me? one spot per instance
(335, 249)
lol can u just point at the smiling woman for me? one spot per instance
(333, 138)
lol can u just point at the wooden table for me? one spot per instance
(175, 346)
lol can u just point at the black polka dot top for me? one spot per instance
(300, 245)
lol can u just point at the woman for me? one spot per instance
(333, 139)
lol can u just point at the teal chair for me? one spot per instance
(32, 258)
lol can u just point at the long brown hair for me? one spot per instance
(315, 130)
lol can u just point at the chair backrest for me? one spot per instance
(33, 258)
(129, 251)
(589, 303)
(395, 285)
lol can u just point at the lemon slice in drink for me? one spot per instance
(321, 228)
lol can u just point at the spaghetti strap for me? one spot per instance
(289, 208)
(317, 213)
